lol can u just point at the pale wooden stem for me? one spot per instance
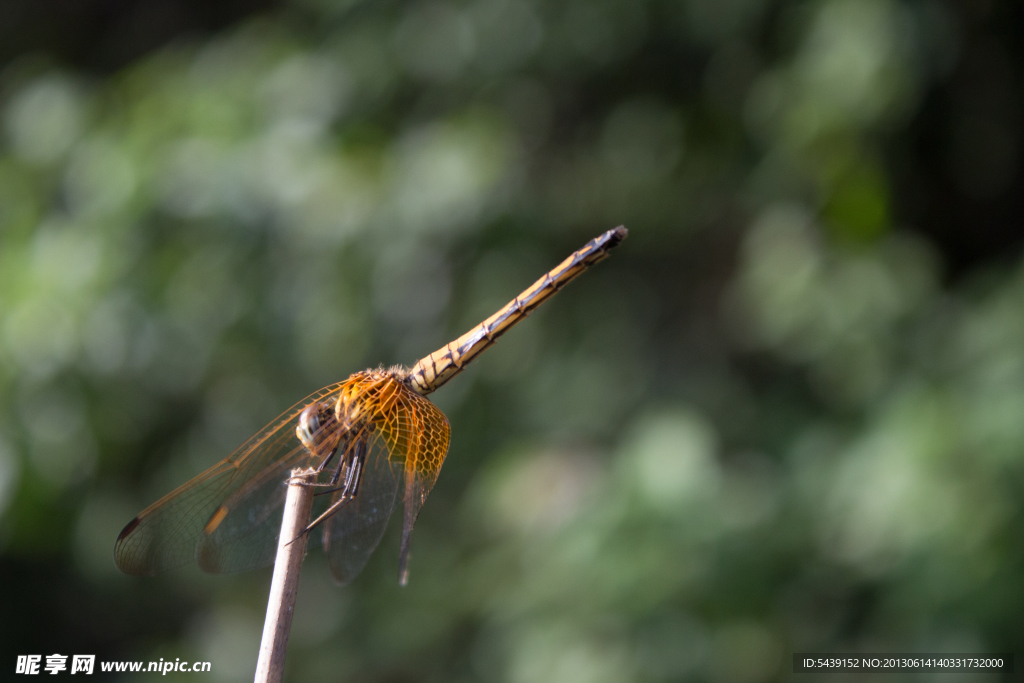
(291, 547)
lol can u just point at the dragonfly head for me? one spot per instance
(311, 420)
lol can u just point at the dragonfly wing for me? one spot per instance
(352, 534)
(408, 445)
(243, 493)
(418, 434)
(242, 532)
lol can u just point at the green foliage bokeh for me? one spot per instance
(768, 423)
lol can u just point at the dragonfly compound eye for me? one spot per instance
(311, 421)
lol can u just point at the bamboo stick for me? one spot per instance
(291, 548)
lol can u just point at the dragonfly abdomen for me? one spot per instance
(439, 367)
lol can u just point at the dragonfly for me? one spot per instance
(371, 440)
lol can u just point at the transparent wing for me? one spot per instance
(421, 434)
(245, 490)
(352, 534)
(415, 435)
(405, 452)
(228, 518)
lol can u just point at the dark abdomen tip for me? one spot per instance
(616, 235)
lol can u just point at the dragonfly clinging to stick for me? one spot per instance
(370, 439)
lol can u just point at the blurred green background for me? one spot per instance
(786, 415)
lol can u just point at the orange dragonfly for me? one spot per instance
(368, 438)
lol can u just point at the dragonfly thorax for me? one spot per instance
(366, 393)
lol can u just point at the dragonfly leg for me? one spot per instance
(341, 445)
(360, 458)
(342, 467)
(346, 465)
(353, 475)
(330, 456)
(298, 479)
(342, 464)
(343, 500)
